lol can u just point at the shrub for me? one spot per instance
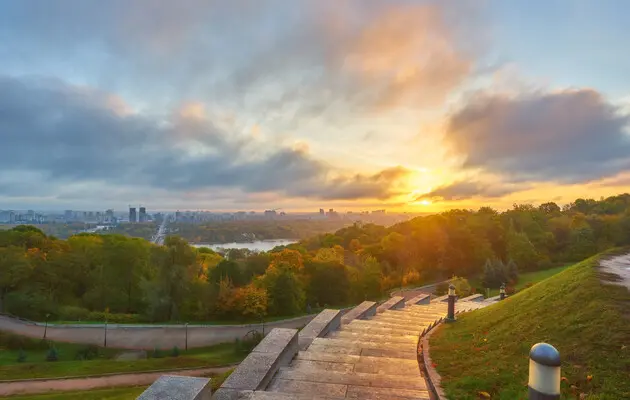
(156, 353)
(87, 353)
(175, 352)
(250, 340)
(441, 289)
(462, 287)
(73, 313)
(115, 318)
(15, 342)
(21, 356)
(52, 354)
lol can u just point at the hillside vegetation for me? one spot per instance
(121, 279)
(587, 321)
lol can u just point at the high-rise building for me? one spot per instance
(68, 215)
(321, 211)
(132, 215)
(143, 214)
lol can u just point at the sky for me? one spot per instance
(417, 106)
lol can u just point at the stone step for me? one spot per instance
(393, 303)
(388, 366)
(350, 359)
(404, 318)
(258, 395)
(373, 337)
(423, 298)
(473, 297)
(362, 311)
(404, 324)
(384, 324)
(367, 329)
(353, 378)
(361, 344)
(358, 351)
(300, 390)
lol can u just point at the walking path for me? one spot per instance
(620, 266)
(144, 336)
(137, 379)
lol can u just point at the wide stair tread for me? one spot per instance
(345, 334)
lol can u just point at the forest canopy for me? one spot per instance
(123, 279)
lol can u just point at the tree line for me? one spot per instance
(114, 277)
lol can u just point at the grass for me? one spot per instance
(36, 367)
(587, 321)
(111, 393)
(525, 279)
(97, 394)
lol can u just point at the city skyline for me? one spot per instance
(412, 106)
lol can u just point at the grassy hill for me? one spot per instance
(587, 321)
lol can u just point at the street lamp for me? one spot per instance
(451, 303)
(46, 325)
(186, 328)
(502, 291)
(105, 340)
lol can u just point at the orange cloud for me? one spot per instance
(409, 54)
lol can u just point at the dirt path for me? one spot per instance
(620, 266)
(138, 379)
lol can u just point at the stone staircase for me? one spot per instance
(374, 357)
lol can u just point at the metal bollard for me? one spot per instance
(502, 291)
(544, 372)
(450, 317)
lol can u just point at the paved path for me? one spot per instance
(144, 336)
(620, 266)
(138, 379)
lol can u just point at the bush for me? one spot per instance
(12, 341)
(89, 352)
(462, 287)
(115, 318)
(53, 354)
(73, 313)
(156, 353)
(441, 289)
(175, 352)
(248, 343)
(21, 356)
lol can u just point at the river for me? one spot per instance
(258, 245)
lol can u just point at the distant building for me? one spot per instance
(322, 212)
(132, 215)
(143, 214)
(68, 215)
(270, 214)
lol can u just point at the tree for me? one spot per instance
(328, 283)
(521, 250)
(284, 291)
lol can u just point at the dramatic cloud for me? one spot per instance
(68, 135)
(463, 190)
(566, 136)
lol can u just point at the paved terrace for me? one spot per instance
(369, 353)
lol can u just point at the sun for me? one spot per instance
(425, 202)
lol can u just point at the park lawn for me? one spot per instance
(111, 393)
(487, 350)
(222, 354)
(125, 393)
(525, 279)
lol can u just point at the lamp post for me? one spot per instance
(46, 326)
(544, 372)
(186, 328)
(502, 291)
(105, 339)
(451, 303)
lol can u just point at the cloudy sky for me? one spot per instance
(354, 104)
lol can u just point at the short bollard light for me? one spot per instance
(450, 317)
(544, 372)
(502, 291)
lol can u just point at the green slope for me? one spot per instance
(587, 321)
